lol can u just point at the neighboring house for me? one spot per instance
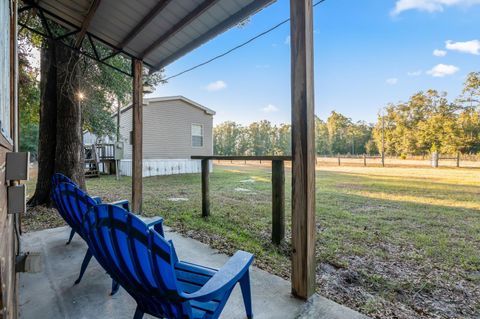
(174, 129)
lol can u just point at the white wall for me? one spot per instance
(158, 167)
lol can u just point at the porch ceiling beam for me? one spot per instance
(86, 23)
(230, 22)
(204, 6)
(303, 149)
(144, 23)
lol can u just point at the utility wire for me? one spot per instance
(236, 47)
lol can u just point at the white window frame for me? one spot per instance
(203, 135)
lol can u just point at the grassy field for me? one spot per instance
(392, 242)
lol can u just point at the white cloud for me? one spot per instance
(262, 66)
(439, 53)
(441, 70)
(287, 40)
(472, 47)
(415, 73)
(429, 5)
(392, 81)
(270, 108)
(216, 86)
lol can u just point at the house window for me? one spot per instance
(197, 135)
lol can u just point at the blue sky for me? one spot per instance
(367, 53)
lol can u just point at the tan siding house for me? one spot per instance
(167, 129)
(174, 129)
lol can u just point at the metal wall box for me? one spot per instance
(17, 166)
(16, 199)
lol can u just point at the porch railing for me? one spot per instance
(278, 188)
(105, 151)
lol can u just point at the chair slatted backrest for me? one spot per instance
(138, 258)
(58, 178)
(72, 204)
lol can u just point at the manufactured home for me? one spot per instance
(175, 128)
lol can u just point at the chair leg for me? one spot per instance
(70, 237)
(247, 294)
(138, 314)
(115, 287)
(85, 262)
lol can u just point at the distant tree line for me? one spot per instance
(426, 122)
(258, 138)
(337, 135)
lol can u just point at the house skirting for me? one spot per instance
(158, 167)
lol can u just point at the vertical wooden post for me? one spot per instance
(338, 159)
(137, 162)
(383, 140)
(303, 149)
(364, 159)
(278, 201)
(458, 159)
(205, 188)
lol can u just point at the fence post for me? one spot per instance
(458, 159)
(338, 159)
(364, 159)
(205, 187)
(278, 201)
(435, 158)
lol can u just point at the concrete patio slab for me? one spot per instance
(51, 293)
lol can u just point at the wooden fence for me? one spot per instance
(440, 160)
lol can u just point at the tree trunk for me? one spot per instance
(60, 148)
(47, 127)
(68, 156)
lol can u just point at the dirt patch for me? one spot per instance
(399, 287)
(41, 217)
(178, 199)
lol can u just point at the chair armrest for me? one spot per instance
(224, 279)
(122, 203)
(97, 199)
(157, 225)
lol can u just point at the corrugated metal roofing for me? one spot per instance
(166, 37)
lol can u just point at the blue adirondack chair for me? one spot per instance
(73, 204)
(146, 265)
(58, 178)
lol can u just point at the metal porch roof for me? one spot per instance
(155, 31)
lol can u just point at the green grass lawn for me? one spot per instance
(391, 242)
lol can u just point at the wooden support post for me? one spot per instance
(205, 188)
(364, 159)
(137, 162)
(338, 159)
(278, 201)
(458, 159)
(303, 149)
